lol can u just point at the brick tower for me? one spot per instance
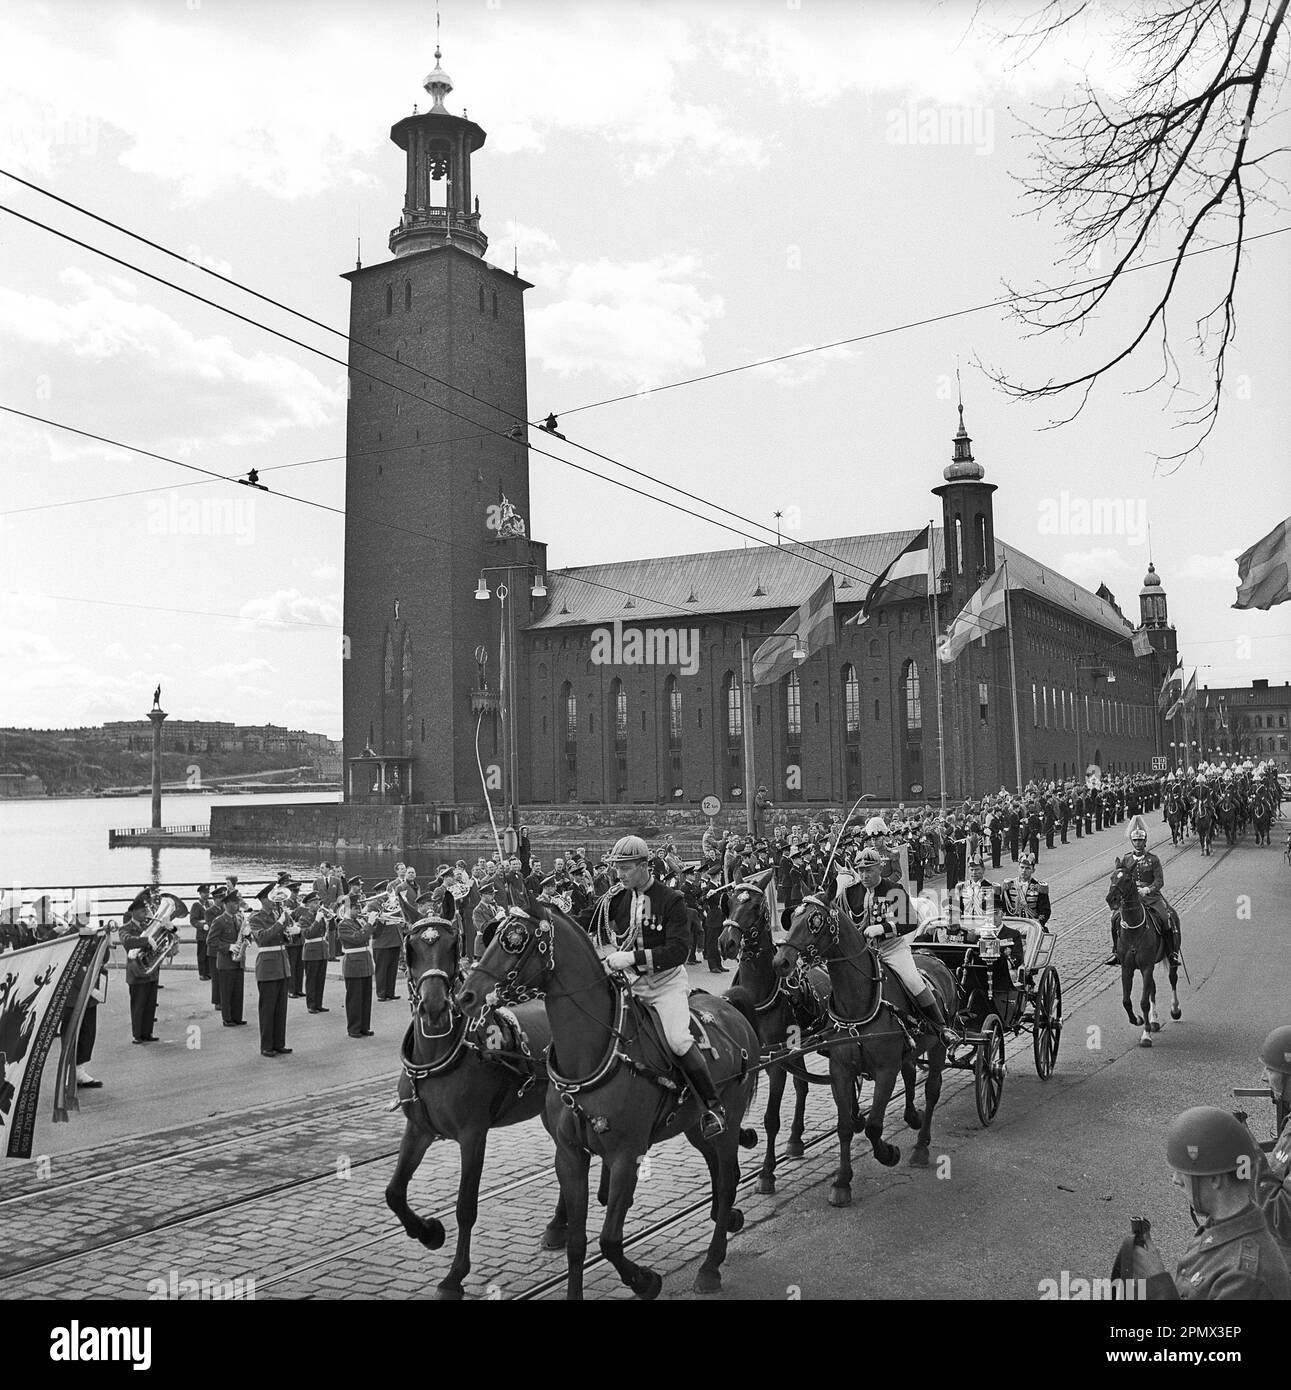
(435, 441)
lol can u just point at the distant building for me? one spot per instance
(1244, 721)
(15, 784)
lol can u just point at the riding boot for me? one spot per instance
(695, 1066)
(931, 1006)
(1113, 959)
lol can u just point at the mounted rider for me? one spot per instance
(1150, 880)
(647, 928)
(880, 907)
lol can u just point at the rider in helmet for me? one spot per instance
(881, 908)
(1146, 868)
(648, 931)
(1233, 1255)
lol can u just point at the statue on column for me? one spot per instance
(156, 698)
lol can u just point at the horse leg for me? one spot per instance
(1127, 984)
(794, 1148)
(723, 1158)
(623, 1170)
(931, 1095)
(412, 1149)
(571, 1171)
(840, 1082)
(910, 1080)
(771, 1124)
(553, 1238)
(1176, 1012)
(1145, 1003)
(472, 1144)
(885, 1081)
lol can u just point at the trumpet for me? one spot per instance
(238, 951)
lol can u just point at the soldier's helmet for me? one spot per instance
(630, 849)
(1138, 829)
(1275, 1052)
(1205, 1141)
(870, 858)
(1026, 858)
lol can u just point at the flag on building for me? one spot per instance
(1221, 706)
(39, 985)
(1264, 571)
(911, 560)
(983, 613)
(1186, 698)
(1170, 689)
(808, 630)
(1142, 643)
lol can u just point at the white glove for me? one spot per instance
(620, 960)
(876, 930)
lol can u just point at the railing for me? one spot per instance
(133, 830)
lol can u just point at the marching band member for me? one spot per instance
(269, 932)
(225, 934)
(387, 938)
(197, 918)
(313, 931)
(142, 982)
(356, 969)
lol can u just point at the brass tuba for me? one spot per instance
(160, 937)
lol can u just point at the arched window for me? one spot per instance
(982, 558)
(673, 692)
(851, 703)
(407, 294)
(495, 303)
(570, 701)
(389, 300)
(913, 705)
(481, 299)
(734, 708)
(793, 706)
(959, 544)
(619, 713)
(876, 647)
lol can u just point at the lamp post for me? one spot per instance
(799, 654)
(1104, 671)
(505, 590)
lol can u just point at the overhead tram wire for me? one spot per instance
(829, 563)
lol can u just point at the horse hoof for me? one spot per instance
(748, 1139)
(449, 1293)
(1156, 1027)
(766, 1186)
(1176, 1014)
(734, 1222)
(708, 1281)
(795, 1149)
(840, 1196)
(914, 1119)
(919, 1159)
(431, 1234)
(1145, 1041)
(647, 1285)
(553, 1238)
(888, 1155)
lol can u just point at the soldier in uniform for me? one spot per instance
(1273, 1170)
(1150, 878)
(881, 908)
(142, 983)
(1024, 896)
(214, 910)
(1233, 1255)
(269, 933)
(223, 934)
(1032, 831)
(649, 935)
(1014, 822)
(1064, 814)
(313, 950)
(1049, 819)
(997, 838)
(356, 971)
(197, 919)
(387, 938)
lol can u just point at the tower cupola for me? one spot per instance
(1152, 604)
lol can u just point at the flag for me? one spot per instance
(909, 562)
(37, 985)
(1142, 643)
(983, 613)
(1168, 692)
(1189, 695)
(812, 625)
(1264, 571)
(1222, 707)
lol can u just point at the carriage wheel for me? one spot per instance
(988, 1069)
(1046, 1028)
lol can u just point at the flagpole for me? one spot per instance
(750, 773)
(1013, 677)
(934, 603)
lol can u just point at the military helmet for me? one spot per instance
(1026, 857)
(1275, 1052)
(629, 849)
(1205, 1141)
(870, 858)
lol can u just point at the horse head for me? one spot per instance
(431, 955)
(747, 928)
(812, 932)
(517, 962)
(1123, 891)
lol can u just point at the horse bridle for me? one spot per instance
(423, 929)
(520, 934)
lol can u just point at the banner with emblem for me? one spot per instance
(37, 986)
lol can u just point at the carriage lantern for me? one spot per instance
(988, 946)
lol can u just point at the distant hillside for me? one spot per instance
(78, 763)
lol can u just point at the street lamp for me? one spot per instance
(1107, 674)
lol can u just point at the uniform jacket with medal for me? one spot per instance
(663, 938)
(1015, 898)
(1146, 868)
(891, 900)
(974, 900)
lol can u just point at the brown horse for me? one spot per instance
(1262, 815)
(1203, 820)
(881, 1044)
(1141, 946)
(614, 1091)
(459, 1081)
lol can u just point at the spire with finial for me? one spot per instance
(438, 83)
(962, 464)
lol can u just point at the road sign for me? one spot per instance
(710, 805)
(1159, 764)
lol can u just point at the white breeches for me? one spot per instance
(666, 993)
(896, 957)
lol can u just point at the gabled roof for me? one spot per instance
(666, 589)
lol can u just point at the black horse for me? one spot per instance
(1142, 943)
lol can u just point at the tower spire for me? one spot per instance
(962, 462)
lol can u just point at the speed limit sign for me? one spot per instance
(710, 805)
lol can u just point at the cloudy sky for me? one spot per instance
(690, 188)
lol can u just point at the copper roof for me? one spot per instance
(777, 578)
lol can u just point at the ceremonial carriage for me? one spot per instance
(992, 1005)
